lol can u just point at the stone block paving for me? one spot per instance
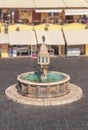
(15, 116)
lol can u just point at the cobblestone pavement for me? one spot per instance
(73, 116)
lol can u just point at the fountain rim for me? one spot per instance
(66, 79)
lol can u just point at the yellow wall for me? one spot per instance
(86, 50)
(4, 50)
(4, 55)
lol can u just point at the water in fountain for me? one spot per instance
(51, 77)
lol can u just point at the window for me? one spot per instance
(42, 59)
(46, 59)
(53, 14)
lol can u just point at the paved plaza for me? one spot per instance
(15, 116)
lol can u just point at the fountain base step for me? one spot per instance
(74, 95)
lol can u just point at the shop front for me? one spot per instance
(23, 51)
(76, 42)
(19, 50)
(22, 43)
(73, 51)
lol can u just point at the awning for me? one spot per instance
(76, 3)
(48, 10)
(31, 4)
(52, 37)
(45, 4)
(76, 12)
(18, 3)
(2, 4)
(76, 37)
(4, 38)
(24, 37)
(49, 4)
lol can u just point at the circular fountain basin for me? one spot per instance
(56, 84)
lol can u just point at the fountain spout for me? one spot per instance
(43, 73)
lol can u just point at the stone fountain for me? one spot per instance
(44, 87)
